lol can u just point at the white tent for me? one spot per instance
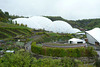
(93, 36)
(76, 41)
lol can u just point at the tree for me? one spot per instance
(7, 14)
(18, 59)
(22, 24)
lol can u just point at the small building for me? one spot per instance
(76, 41)
(93, 36)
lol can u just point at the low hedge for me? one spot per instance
(40, 33)
(61, 52)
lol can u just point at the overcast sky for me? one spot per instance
(68, 9)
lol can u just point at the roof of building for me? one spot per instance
(76, 39)
(95, 33)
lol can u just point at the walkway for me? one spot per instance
(28, 46)
(82, 45)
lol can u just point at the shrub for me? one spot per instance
(1, 48)
(35, 48)
(40, 33)
(20, 44)
(24, 59)
(61, 52)
(68, 62)
(9, 43)
(97, 63)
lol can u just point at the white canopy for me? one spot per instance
(93, 35)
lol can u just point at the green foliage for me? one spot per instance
(1, 48)
(97, 63)
(39, 45)
(68, 61)
(5, 35)
(15, 60)
(52, 38)
(7, 32)
(61, 52)
(9, 43)
(85, 23)
(5, 16)
(40, 33)
(53, 34)
(20, 44)
(35, 48)
(88, 23)
(24, 59)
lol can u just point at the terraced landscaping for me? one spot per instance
(13, 32)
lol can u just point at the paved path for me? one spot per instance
(28, 46)
(64, 46)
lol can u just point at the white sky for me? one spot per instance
(68, 9)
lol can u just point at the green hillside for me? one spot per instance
(6, 17)
(9, 32)
(88, 23)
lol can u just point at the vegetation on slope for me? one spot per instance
(6, 32)
(24, 59)
(10, 29)
(6, 17)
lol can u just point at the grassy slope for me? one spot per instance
(11, 30)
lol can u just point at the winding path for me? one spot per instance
(28, 46)
(82, 45)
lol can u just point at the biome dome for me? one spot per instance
(42, 21)
(75, 30)
(38, 22)
(60, 26)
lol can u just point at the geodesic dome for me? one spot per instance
(60, 27)
(38, 22)
(75, 30)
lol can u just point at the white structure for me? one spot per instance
(38, 22)
(80, 33)
(76, 41)
(10, 51)
(61, 27)
(93, 36)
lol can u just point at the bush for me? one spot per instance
(9, 43)
(1, 48)
(68, 62)
(40, 33)
(24, 59)
(61, 52)
(97, 63)
(35, 48)
(20, 44)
